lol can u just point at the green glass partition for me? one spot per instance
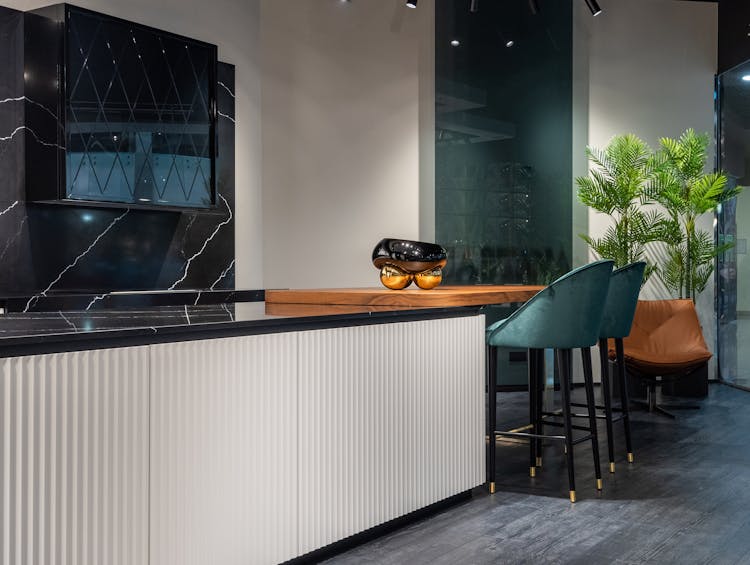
(504, 140)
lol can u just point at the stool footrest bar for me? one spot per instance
(543, 436)
(560, 425)
(521, 434)
(597, 406)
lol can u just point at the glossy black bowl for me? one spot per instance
(411, 256)
(402, 261)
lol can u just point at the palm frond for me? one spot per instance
(706, 192)
(617, 179)
(681, 185)
(672, 271)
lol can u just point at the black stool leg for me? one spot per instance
(607, 394)
(531, 356)
(540, 403)
(564, 363)
(588, 382)
(491, 415)
(620, 351)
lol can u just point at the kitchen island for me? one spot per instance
(228, 434)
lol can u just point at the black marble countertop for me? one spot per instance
(69, 301)
(29, 333)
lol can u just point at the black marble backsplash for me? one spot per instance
(54, 302)
(47, 249)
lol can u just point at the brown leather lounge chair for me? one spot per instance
(665, 344)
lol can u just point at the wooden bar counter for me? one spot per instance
(342, 300)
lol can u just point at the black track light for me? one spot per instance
(534, 7)
(411, 3)
(474, 7)
(594, 7)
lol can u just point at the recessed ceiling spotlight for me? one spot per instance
(455, 43)
(507, 41)
(746, 78)
(411, 3)
(594, 7)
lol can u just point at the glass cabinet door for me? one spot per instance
(733, 269)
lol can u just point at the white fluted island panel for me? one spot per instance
(391, 420)
(238, 449)
(74, 458)
(223, 464)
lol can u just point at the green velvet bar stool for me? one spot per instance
(564, 316)
(619, 310)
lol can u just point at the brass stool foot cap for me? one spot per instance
(630, 458)
(572, 496)
(492, 488)
(538, 461)
(532, 472)
(611, 467)
(599, 484)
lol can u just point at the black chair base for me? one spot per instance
(651, 383)
(656, 408)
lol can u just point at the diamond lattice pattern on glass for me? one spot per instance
(138, 127)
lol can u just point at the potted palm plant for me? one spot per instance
(618, 185)
(686, 192)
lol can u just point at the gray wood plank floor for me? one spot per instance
(685, 500)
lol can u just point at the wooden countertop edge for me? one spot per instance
(439, 297)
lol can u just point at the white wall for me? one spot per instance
(233, 25)
(427, 124)
(582, 22)
(651, 71)
(341, 135)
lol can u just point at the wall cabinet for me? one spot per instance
(132, 110)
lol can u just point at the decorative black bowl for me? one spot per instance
(402, 261)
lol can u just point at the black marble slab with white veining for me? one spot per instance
(54, 302)
(80, 321)
(31, 333)
(47, 249)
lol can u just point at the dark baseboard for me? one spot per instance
(378, 531)
(732, 385)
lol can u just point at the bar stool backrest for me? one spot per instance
(624, 287)
(565, 315)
